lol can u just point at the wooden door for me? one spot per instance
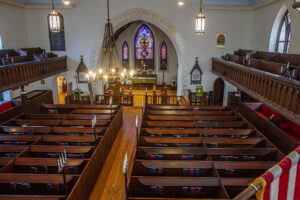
(219, 91)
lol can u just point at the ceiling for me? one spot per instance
(43, 2)
(208, 3)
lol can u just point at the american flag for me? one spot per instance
(282, 181)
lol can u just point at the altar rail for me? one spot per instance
(16, 75)
(280, 93)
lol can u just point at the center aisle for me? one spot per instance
(110, 183)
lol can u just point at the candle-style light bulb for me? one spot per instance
(65, 154)
(100, 71)
(90, 73)
(105, 77)
(137, 121)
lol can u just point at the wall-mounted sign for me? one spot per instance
(199, 91)
(221, 40)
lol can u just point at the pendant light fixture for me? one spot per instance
(200, 22)
(54, 20)
(296, 5)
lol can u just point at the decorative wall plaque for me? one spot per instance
(196, 74)
(82, 70)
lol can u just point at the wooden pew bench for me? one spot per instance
(49, 151)
(195, 132)
(26, 184)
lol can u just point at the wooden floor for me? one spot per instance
(111, 182)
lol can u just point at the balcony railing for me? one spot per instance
(16, 75)
(280, 93)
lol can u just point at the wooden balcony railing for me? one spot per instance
(280, 93)
(16, 75)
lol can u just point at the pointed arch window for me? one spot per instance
(57, 39)
(163, 56)
(125, 55)
(284, 34)
(144, 48)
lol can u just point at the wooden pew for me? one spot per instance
(186, 131)
(156, 107)
(189, 118)
(193, 124)
(213, 143)
(46, 162)
(195, 112)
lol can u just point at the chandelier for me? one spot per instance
(200, 22)
(109, 67)
(54, 20)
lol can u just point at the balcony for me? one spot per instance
(280, 93)
(15, 75)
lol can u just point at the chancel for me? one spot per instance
(149, 99)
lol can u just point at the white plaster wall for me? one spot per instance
(85, 23)
(263, 20)
(159, 36)
(13, 30)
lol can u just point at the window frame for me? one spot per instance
(147, 61)
(286, 40)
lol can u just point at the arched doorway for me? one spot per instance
(148, 16)
(61, 84)
(219, 91)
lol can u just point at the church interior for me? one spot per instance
(149, 99)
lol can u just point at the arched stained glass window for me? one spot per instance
(163, 56)
(125, 55)
(144, 48)
(284, 34)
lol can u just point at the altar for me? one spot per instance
(144, 82)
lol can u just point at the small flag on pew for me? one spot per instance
(110, 101)
(282, 181)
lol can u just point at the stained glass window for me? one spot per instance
(125, 51)
(284, 34)
(144, 43)
(125, 55)
(163, 51)
(163, 56)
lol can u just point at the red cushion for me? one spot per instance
(5, 106)
(267, 111)
(294, 128)
(262, 114)
(284, 126)
(278, 116)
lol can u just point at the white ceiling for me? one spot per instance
(208, 3)
(42, 2)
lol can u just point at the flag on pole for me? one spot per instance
(282, 181)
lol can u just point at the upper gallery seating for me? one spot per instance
(32, 143)
(275, 63)
(10, 56)
(197, 152)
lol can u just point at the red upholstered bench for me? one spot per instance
(292, 129)
(6, 106)
(267, 113)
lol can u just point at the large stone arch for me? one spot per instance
(155, 19)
